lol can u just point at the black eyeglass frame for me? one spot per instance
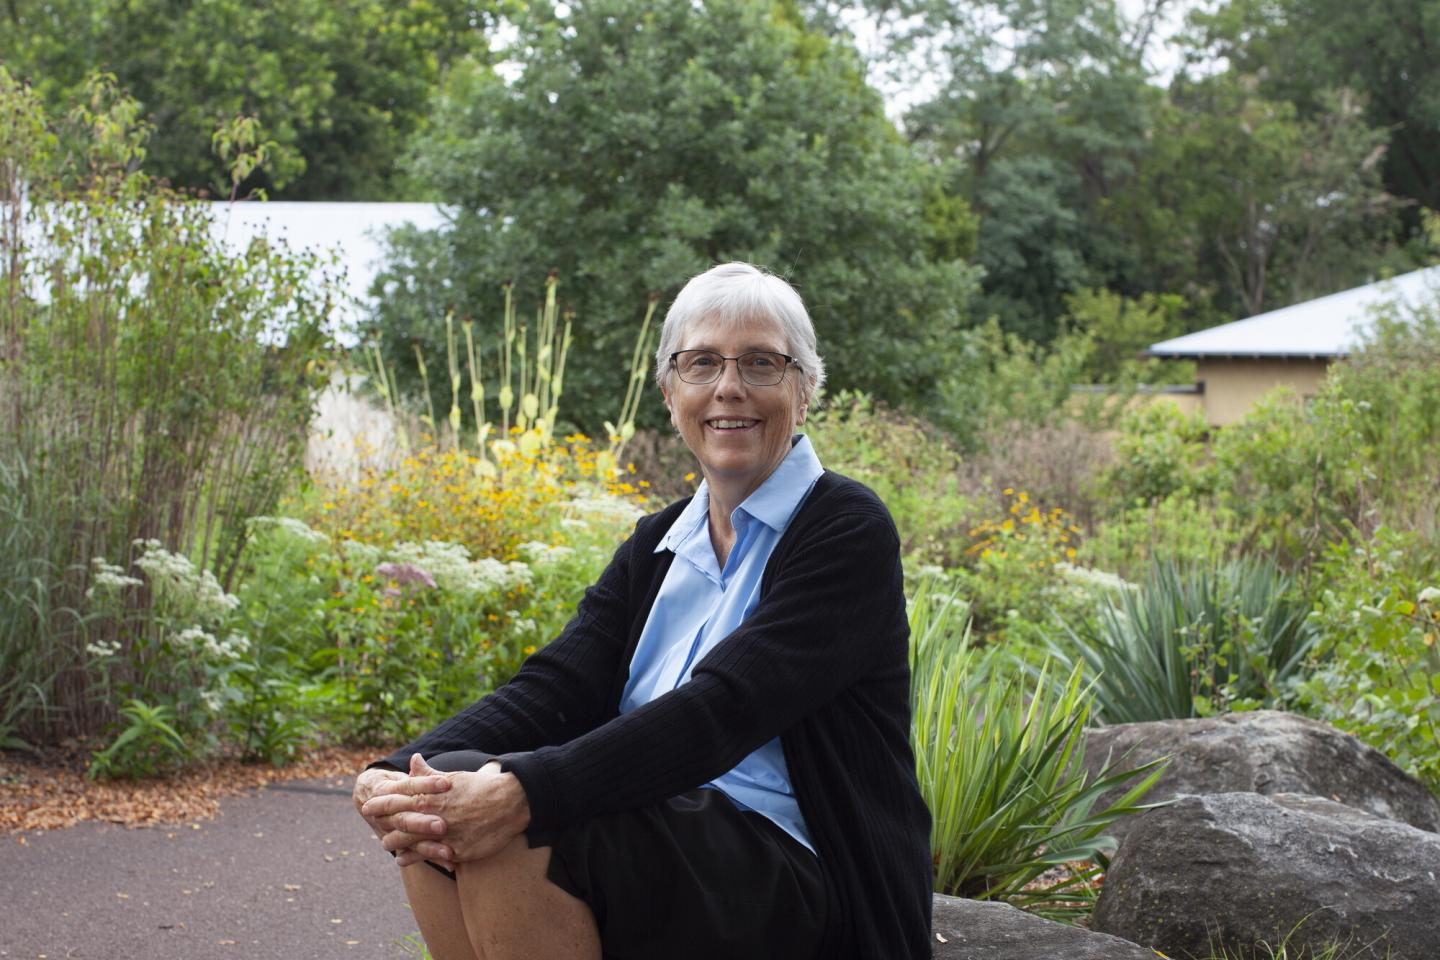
(720, 370)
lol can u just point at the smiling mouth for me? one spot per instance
(730, 424)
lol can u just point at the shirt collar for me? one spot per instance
(773, 503)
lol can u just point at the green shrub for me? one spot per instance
(1192, 641)
(1295, 475)
(1360, 455)
(179, 645)
(1159, 453)
(910, 465)
(1187, 529)
(1378, 612)
(376, 642)
(1010, 572)
(999, 762)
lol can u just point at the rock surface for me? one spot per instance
(1264, 752)
(1240, 868)
(979, 930)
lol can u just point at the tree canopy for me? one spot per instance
(339, 86)
(638, 143)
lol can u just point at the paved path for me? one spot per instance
(288, 873)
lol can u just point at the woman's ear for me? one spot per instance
(665, 393)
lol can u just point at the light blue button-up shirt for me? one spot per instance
(699, 605)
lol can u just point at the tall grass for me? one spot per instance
(153, 388)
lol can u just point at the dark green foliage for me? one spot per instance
(642, 142)
(339, 86)
(1192, 641)
(1248, 206)
(1041, 118)
(1385, 52)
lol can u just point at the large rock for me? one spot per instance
(980, 930)
(1265, 752)
(1240, 869)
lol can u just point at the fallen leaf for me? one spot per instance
(292, 886)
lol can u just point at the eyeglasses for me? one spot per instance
(759, 369)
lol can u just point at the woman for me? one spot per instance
(712, 760)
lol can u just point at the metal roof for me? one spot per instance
(1326, 327)
(353, 232)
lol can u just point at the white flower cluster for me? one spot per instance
(213, 700)
(296, 529)
(1091, 578)
(104, 648)
(108, 578)
(359, 554)
(541, 554)
(1430, 595)
(605, 509)
(175, 579)
(452, 568)
(195, 639)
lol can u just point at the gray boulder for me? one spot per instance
(1265, 752)
(980, 930)
(1240, 869)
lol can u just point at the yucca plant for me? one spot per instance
(998, 755)
(1193, 641)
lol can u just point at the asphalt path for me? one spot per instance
(286, 873)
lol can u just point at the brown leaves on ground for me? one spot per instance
(37, 796)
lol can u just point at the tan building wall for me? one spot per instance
(1233, 385)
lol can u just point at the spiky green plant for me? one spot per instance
(999, 758)
(1192, 641)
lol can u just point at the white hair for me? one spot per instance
(741, 293)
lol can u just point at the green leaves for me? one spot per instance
(147, 744)
(640, 143)
(340, 86)
(998, 756)
(1190, 641)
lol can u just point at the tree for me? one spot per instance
(339, 86)
(640, 143)
(1041, 117)
(1249, 206)
(1387, 52)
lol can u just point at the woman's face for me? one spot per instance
(739, 432)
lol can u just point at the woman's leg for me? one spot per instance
(513, 912)
(436, 904)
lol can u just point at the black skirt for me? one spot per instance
(693, 876)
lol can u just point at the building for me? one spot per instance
(1237, 363)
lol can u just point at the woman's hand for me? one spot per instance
(422, 779)
(477, 813)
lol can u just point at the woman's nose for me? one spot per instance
(729, 382)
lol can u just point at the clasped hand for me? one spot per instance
(446, 818)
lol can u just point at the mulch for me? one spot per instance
(49, 795)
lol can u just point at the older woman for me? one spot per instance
(712, 760)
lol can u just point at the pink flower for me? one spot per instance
(404, 574)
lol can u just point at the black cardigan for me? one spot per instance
(822, 661)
